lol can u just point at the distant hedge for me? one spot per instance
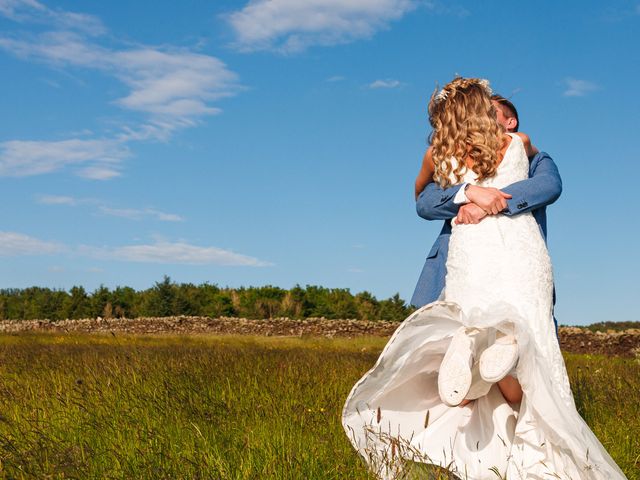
(617, 326)
(167, 298)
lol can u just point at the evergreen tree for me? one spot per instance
(77, 304)
(99, 300)
(163, 298)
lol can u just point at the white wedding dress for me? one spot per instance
(499, 278)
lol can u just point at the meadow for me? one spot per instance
(224, 407)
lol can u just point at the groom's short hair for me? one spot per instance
(508, 108)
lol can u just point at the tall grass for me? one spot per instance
(607, 395)
(89, 406)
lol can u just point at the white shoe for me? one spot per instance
(498, 360)
(454, 376)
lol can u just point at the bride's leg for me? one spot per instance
(511, 389)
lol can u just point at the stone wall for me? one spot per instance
(572, 339)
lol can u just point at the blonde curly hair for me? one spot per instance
(464, 125)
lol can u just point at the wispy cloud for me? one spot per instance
(172, 87)
(388, 83)
(17, 244)
(173, 83)
(33, 11)
(335, 78)
(292, 26)
(578, 88)
(139, 214)
(56, 200)
(102, 208)
(176, 253)
(20, 158)
(99, 172)
(168, 84)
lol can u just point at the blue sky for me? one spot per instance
(276, 142)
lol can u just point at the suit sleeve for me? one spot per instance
(436, 203)
(542, 188)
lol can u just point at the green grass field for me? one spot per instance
(90, 406)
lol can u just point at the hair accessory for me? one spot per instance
(442, 95)
(484, 83)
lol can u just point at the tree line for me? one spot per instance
(167, 298)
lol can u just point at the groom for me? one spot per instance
(471, 203)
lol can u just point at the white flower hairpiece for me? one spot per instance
(442, 95)
(483, 82)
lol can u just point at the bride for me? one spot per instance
(475, 382)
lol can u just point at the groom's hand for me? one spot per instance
(489, 199)
(470, 214)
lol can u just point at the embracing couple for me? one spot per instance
(474, 380)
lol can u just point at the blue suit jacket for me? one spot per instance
(542, 188)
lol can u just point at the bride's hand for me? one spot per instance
(489, 199)
(470, 214)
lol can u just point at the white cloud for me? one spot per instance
(293, 25)
(173, 83)
(14, 244)
(129, 213)
(172, 87)
(138, 214)
(176, 253)
(59, 48)
(335, 78)
(66, 200)
(170, 84)
(99, 172)
(35, 12)
(165, 217)
(21, 158)
(578, 88)
(12, 8)
(18, 244)
(56, 200)
(388, 83)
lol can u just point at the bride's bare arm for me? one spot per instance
(528, 146)
(425, 176)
